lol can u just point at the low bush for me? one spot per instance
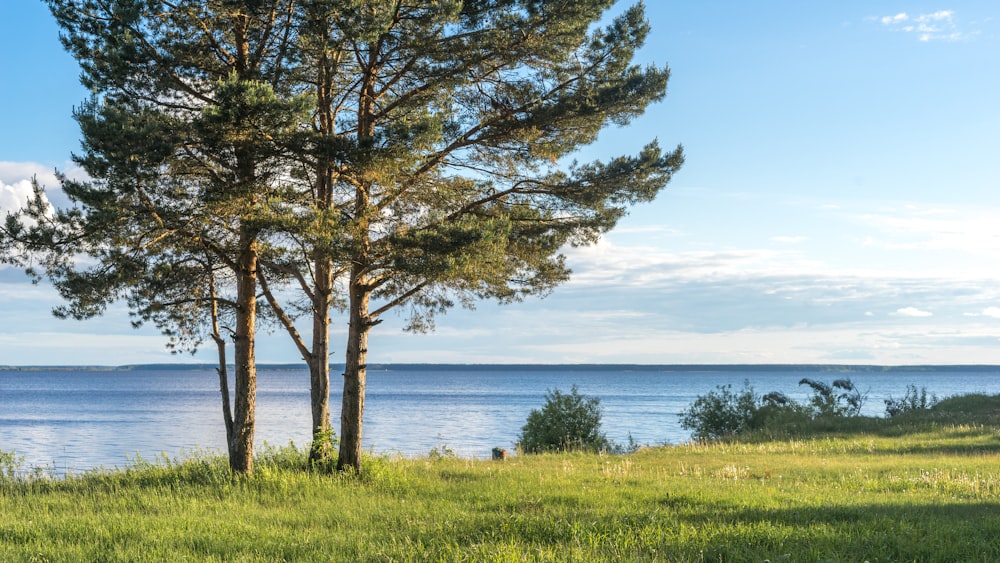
(725, 413)
(566, 422)
(721, 413)
(913, 400)
(826, 401)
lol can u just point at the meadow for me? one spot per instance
(920, 487)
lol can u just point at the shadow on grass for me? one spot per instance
(915, 532)
(681, 528)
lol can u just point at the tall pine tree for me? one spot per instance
(185, 142)
(446, 126)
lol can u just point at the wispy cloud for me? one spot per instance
(992, 312)
(912, 312)
(788, 239)
(898, 18)
(968, 232)
(933, 26)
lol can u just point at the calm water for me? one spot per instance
(73, 420)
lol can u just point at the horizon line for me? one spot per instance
(382, 366)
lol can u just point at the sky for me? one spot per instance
(839, 203)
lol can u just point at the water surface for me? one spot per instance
(71, 420)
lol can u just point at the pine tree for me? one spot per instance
(447, 126)
(185, 142)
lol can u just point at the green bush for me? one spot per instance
(724, 413)
(913, 400)
(721, 413)
(826, 401)
(566, 422)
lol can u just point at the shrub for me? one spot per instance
(913, 400)
(566, 422)
(721, 413)
(724, 413)
(827, 402)
(10, 465)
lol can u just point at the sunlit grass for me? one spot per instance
(925, 489)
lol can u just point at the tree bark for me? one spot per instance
(355, 373)
(220, 344)
(319, 364)
(245, 376)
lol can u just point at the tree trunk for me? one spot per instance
(220, 344)
(359, 321)
(241, 443)
(355, 372)
(319, 365)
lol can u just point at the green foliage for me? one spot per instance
(914, 400)
(10, 465)
(566, 422)
(419, 154)
(440, 452)
(322, 454)
(973, 407)
(826, 401)
(721, 413)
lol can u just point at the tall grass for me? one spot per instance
(925, 489)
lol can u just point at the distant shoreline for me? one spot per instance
(832, 368)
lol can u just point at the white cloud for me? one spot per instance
(626, 265)
(788, 239)
(889, 20)
(647, 230)
(933, 26)
(851, 343)
(20, 174)
(13, 172)
(14, 196)
(82, 348)
(971, 235)
(992, 312)
(912, 312)
(940, 15)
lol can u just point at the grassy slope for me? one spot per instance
(920, 488)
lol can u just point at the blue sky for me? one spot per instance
(840, 202)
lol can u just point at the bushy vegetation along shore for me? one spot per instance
(924, 486)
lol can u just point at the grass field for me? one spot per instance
(924, 487)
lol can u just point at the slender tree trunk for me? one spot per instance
(244, 417)
(355, 372)
(220, 344)
(359, 320)
(227, 413)
(319, 364)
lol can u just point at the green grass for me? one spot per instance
(923, 487)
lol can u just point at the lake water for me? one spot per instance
(69, 420)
